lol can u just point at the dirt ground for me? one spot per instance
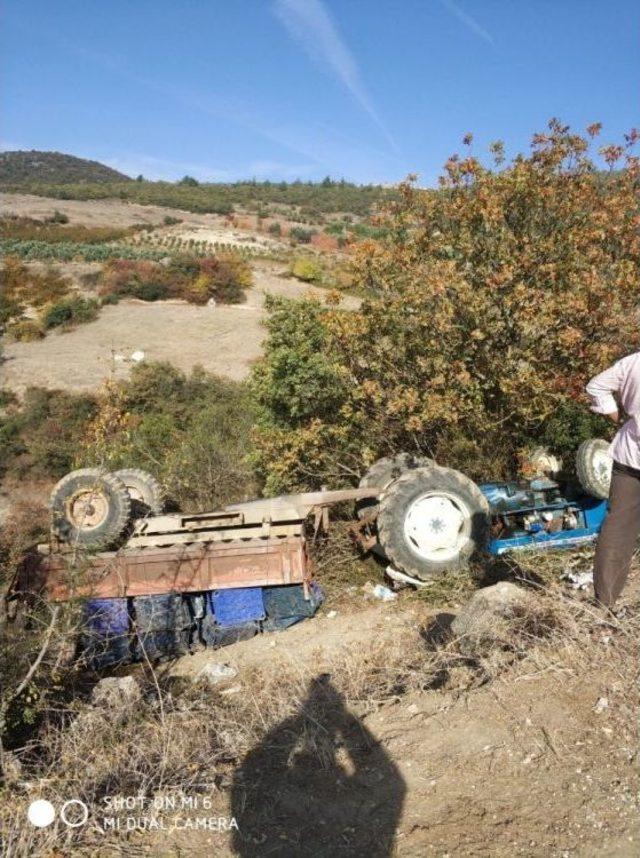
(527, 764)
(114, 213)
(225, 340)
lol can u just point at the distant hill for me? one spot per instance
(54, 168)
(65, 177)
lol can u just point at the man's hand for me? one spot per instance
(614, 416)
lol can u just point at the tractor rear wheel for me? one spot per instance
(593, 467)
(90, 508)
(147, 496)
(432, 520)
(382, 473)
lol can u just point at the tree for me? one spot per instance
(189, 182)
(489, 304)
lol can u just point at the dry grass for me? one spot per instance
(184, 735)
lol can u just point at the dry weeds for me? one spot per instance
(183, 735)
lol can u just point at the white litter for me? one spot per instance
(119, 358)
(601, 705)
(137, 356)
(578, 580)
(331, 615)
(383, 593)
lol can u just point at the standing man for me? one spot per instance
(621, 527)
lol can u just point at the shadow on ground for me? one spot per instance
(318, 784)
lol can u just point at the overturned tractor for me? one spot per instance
(218, 575)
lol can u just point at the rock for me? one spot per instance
(138, 356)
(216, 673)
(115, 692)
(488, 615)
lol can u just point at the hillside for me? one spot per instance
(17, 168)
(65, 177)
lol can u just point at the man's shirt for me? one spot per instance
(623, 379)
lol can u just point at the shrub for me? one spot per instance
(489, 305)
(58, 217)
(148, 281)
(303, 236)
(111, 298)
(152, 290)
(25, 330)
(169, 220)
(195, 279)
(275, 229)
(306, 269)
(23, 287)
(70, 312)
(66, 251)
(42, 436)
(9, 309)
(25, 229)
(192, 432)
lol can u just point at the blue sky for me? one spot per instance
(369, 90)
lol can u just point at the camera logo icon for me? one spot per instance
(73, 813)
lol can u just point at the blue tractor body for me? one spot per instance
(541, 513)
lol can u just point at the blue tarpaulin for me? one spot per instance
(162, 626)
(106, 636)
(237, 606)
(287, 605)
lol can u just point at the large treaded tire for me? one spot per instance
(382, 473)
(90, 508)
(437, 482)
(593, 475)
(147, 495)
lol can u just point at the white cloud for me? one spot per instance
(468, 21)
(309, 23)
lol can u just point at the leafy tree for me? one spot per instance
(489, 304)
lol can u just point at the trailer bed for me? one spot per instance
(175, 569)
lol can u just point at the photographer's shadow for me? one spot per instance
(318, 784)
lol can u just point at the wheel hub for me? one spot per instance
(87, 509)
(602, 465)
(436, 526)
